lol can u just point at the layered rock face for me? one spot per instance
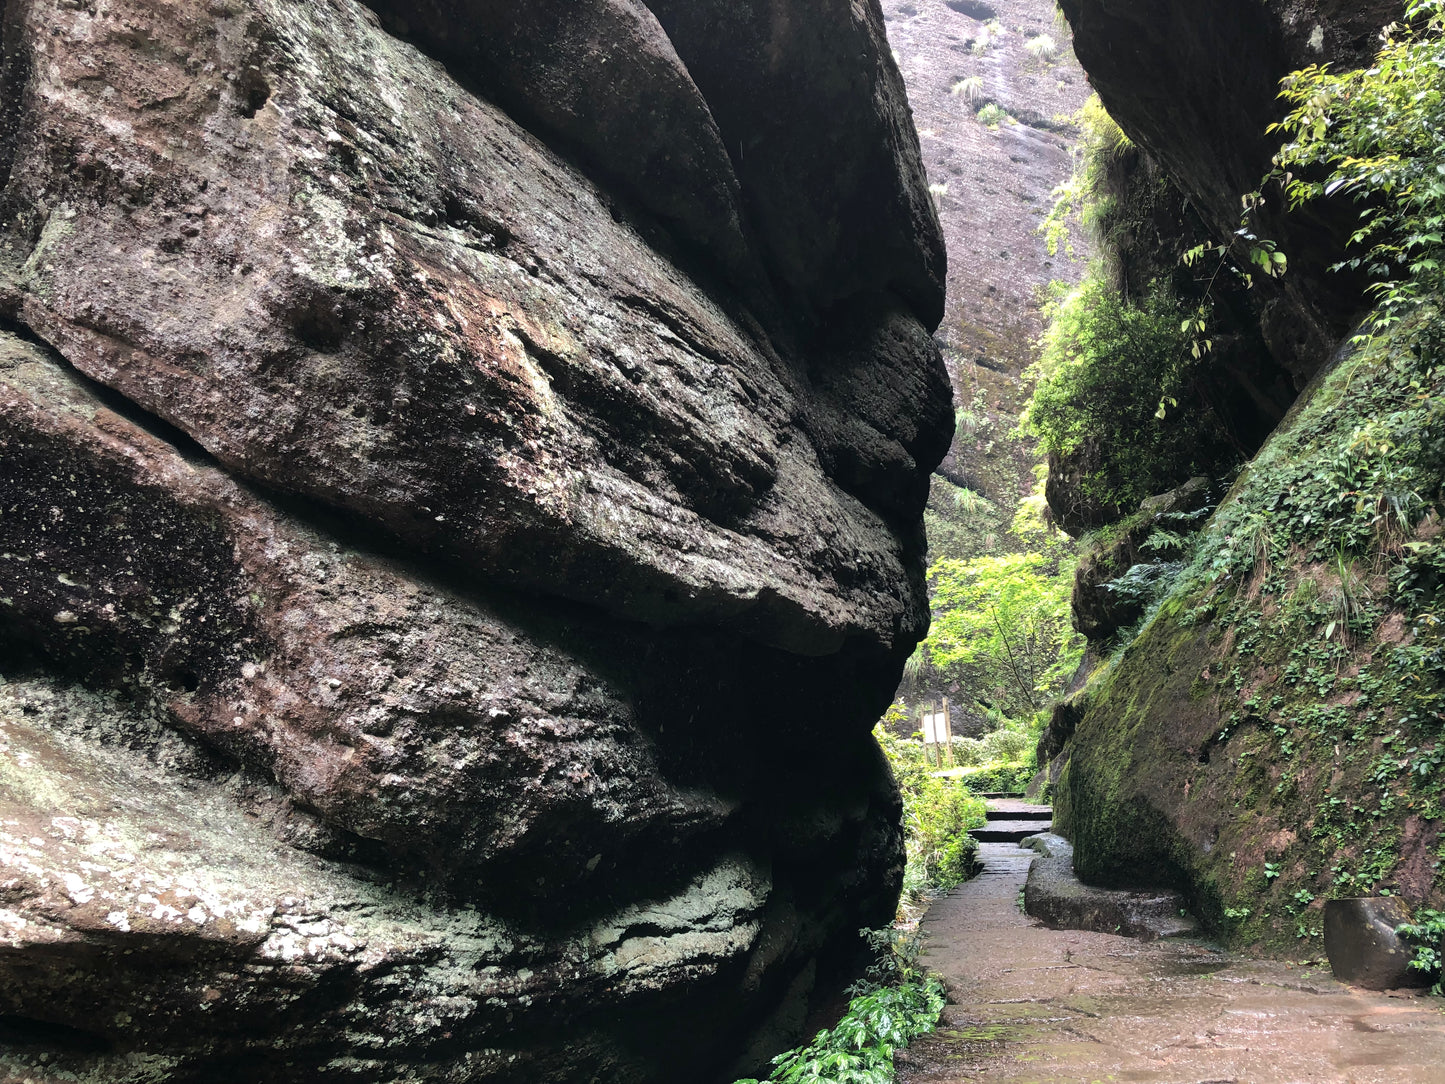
(459, 519)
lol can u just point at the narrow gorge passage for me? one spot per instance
(1033, 1005)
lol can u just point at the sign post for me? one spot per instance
(933, 734)
(948, 731)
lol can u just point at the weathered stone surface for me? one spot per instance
(815, 116)
(601, 79)
(1061, 901)
(1063, 720)
(413, 312)
(349, 692)
(1049, 845)
(1363, 947)
(420, 575)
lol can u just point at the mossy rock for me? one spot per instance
(1271, 737)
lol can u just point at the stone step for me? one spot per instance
(1038, 813)
(1009, 831)
(1053, 894)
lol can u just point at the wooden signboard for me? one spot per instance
(938, 734)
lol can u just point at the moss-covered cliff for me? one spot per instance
(1273, 736)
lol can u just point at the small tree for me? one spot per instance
(1009, 617)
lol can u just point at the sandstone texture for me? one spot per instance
(459, 520)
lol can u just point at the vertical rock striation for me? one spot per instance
(461, 472)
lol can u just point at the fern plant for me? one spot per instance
(897, 1003)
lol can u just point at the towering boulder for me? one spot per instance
(450, 561)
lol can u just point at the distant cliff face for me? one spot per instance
(461, 469)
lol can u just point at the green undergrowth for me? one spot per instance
(1427, 934)
(1310, 616)
(1119, 368)
(937, 816)
(895, 1004)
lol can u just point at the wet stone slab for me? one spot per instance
(1040, 1006)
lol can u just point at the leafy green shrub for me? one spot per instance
(1007, 778)
(991, 115)
(1088, 194)
(937, 815)
(1428, 933)
(1108, 375)
(1004, 746)
(1377, 131)
(897, 1003)
(1007, 619)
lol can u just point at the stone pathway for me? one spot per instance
(1041, 1006)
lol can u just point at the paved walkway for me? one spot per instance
(1040, 1006)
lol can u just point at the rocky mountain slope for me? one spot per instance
(994, 89)
(459, 520)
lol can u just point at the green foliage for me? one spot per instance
(1378, 133)
(1108, 372)
(937, 816)
(1008, 777)
(971, 503)
(1348, 480)
(1007, 617)
(1428, 933)
(1086, 196)
(896, 1004)
(1004, 746)
(991, 115)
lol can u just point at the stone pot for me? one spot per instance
(1363, 947)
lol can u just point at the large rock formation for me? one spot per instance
(1271, 737)
(450, 559)
(1196, 86)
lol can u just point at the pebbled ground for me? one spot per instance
(1040, 1006)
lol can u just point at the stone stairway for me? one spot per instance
(1011, 820)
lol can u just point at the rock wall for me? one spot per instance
(1270, 738)
(1196, 87)
(461, 519)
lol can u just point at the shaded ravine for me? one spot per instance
(1030, 1005)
